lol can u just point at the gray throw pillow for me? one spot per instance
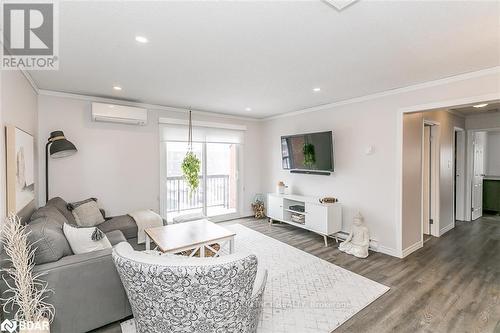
(46, 235)
(88, 214)
(52, 213)
(62, 207)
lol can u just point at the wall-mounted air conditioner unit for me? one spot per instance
(119, 114)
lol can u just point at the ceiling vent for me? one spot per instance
(121, 114)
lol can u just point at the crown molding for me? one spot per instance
(28, 77)
(90, 98)
(428, 84)
(30, 80)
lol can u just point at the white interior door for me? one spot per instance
(460, 175)
(478, 174)
(427, 181)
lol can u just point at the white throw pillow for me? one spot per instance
(80, 239)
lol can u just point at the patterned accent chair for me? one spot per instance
(170, 293)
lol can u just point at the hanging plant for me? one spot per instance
(309, 154)
(191, 170)
(191, 163)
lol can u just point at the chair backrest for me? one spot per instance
(170, 293)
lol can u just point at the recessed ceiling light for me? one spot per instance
(481, 105)
(141, 39)
(316, 89)
(118, 88)
(248, 109)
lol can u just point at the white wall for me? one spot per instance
(120, 164)
(412, 178)
(19, 108)
(493, 154)
(365, 183)
(412, 172)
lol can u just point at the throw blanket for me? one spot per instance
(145, 219)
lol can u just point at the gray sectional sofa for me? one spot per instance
(88, 293)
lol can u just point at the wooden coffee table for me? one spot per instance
(195, 235)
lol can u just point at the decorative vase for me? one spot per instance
(280, 188)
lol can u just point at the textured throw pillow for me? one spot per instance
(84, 240)
(73, 205)
(87, 214)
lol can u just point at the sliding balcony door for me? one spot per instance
(177, 198)
(221, 179)
(218, 194)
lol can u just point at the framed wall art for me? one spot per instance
(20, 151)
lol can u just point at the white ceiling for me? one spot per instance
(225, 56)
(492, 107)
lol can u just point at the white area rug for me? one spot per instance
(304, 294)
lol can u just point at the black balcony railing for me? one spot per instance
(178, 197)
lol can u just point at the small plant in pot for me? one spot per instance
(25, 294)
(191, 163)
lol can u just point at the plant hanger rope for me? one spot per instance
(190, 132)
(191, 164)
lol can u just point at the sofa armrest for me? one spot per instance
(88, 292)
(73, 261)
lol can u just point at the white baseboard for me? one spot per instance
(389, 251)
(412, 248)
(247, 213)
(373, 243)
(446, 229)
(374, 246)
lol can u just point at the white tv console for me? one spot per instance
(322, 218)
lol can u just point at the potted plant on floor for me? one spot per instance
(26, 293)
(191, 163)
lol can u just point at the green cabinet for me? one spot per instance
(491, 195)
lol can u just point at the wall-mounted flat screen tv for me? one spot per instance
(308, 152)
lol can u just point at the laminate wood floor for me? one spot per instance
(452, 284)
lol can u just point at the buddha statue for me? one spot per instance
(358, 240)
